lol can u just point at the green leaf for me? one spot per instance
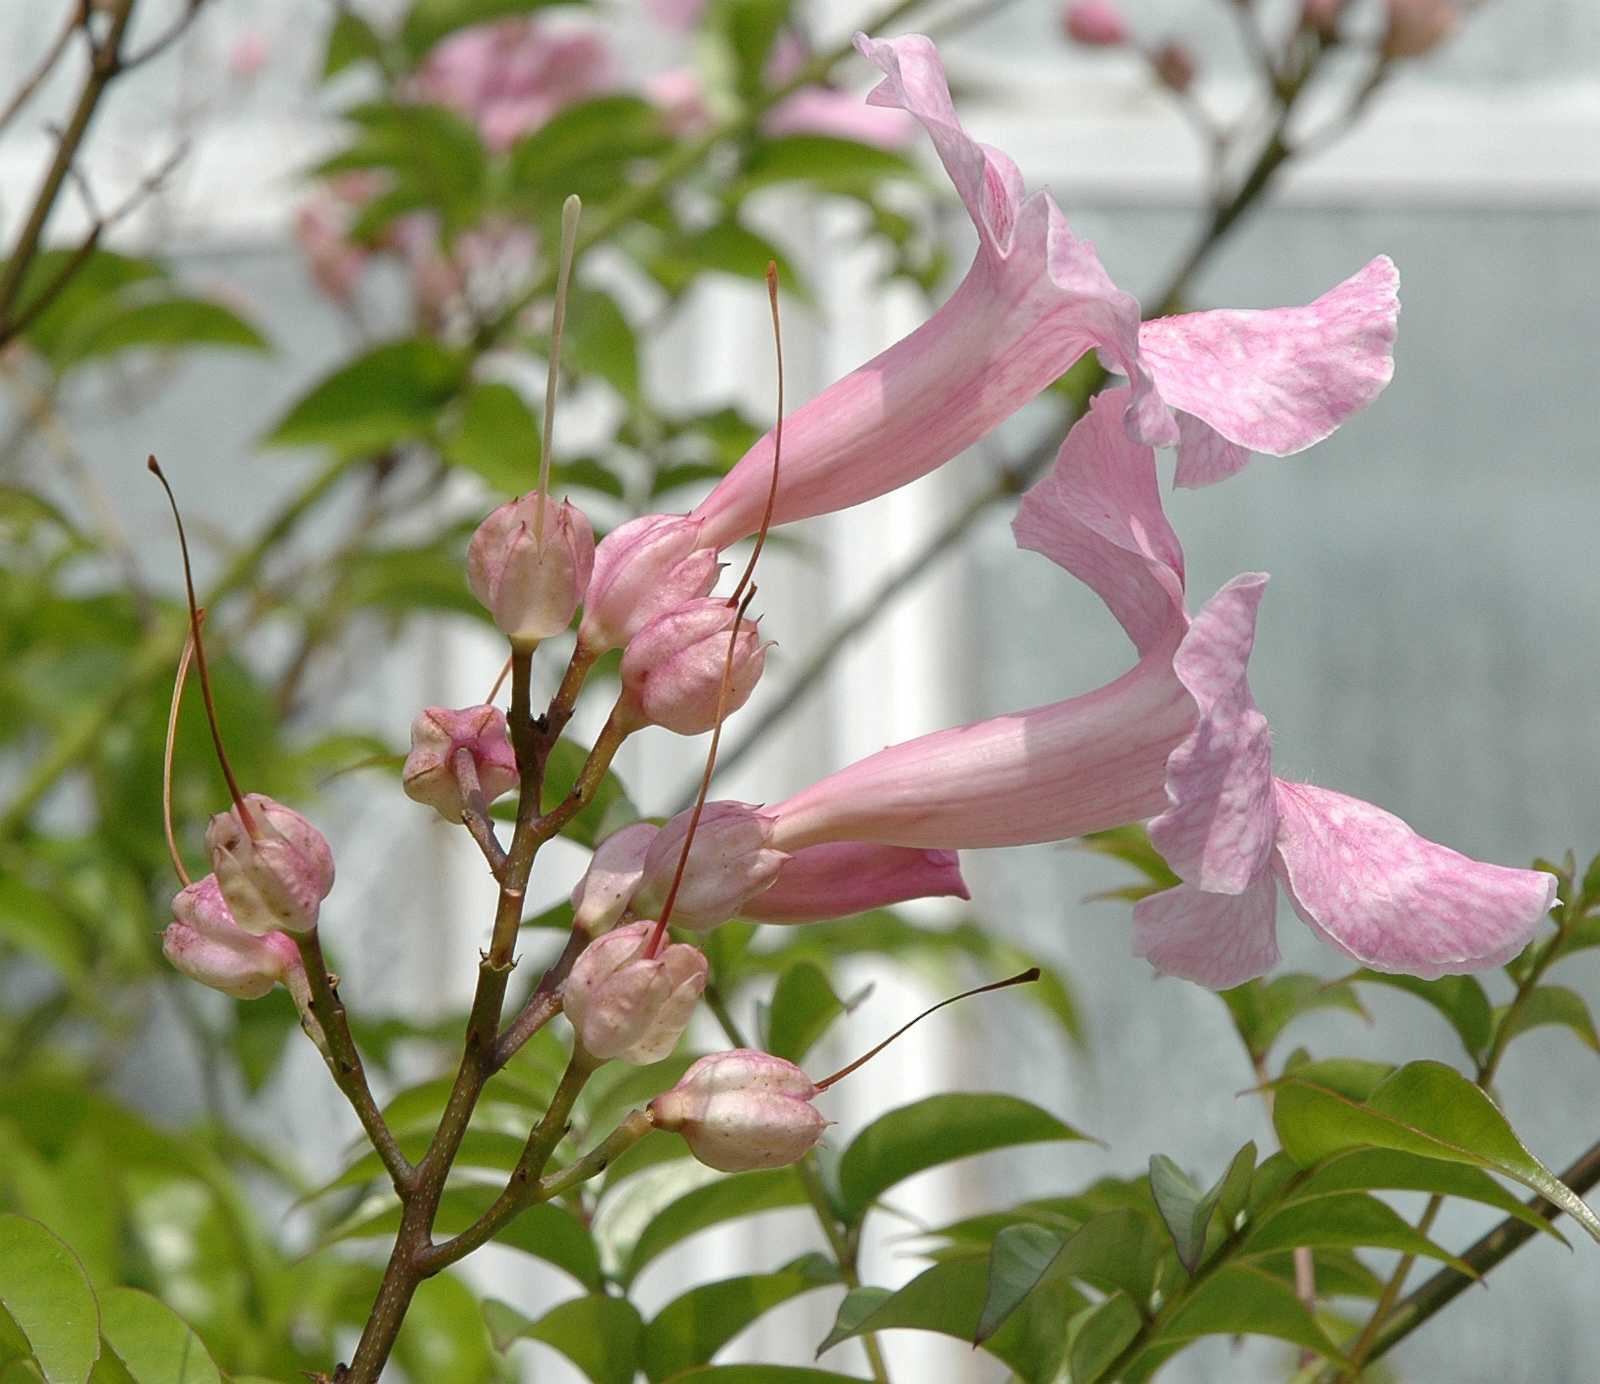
(1240, 1300)
(836, 165)
(1262, 1009)
(1187, 1212)
(350, 40)
(444, 1336)
(762, 1374)
(93, 293)
(601, 1335)
(1019, 1259)
(1459, 998)
(428, 21)
(32, 921)
(934, 1131)
(151, 1342)
(1550, 1004)
(1337, 1273)
(610, 807)
(497, 436)
(432, 160)
(392, 394)
(587, 149)
(261, 1031)
(1389, 1170)
(546, 1231)
(1131, 845)
(1098, 1335)
(168, 324)
(725, 248)
(600, 340)
(726, 1199)
(1350, 1220)
(693, 1327)
(46, 1300)
(803, 1006)
(1424, 1108)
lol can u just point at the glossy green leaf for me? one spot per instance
(934, 1131)
(392, 394)
(444, 1336)
(1098, 1335)
(431, 159)
(601, 1335)
(46, 1301)
(498, 437)
(726, 1199)
(546, 1231)
(1424, 1108)
(726, 248)
(151, 1342)
(1240, 1300)
(803, 1006)
(693, 1327)
(586, 149)
(1337, 1272)
(1460, 999)
(170, 324)
(1391, 1170)
(93, 294)
(350, 40)
(1350, 1220)
(1551, 1005)
(1262, 1009)
(1018, 1261)
(1187, 1211)
(837, 165)
(600, 340)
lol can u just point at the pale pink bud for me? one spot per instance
(680, 96)
(838, 879)
(275, 878)
(1419, 26)
(531, 590)
(206, 944)
(741, 1110)
(603, 894)
(625, 1005)
(672, 669)
(731, 861)
(437, 735)
(1174, 65)
(334, 262)
(248, 55)
(642, 569)
(1094, 23)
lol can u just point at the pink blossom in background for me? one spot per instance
(1094, 23)
(1035, 299)
(511, 76)
(819, 110)
(680, 96)
(334, 262)
(1416, 27)
(248, 55)
(676, 14)
(1178, 735)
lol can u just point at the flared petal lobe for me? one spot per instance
(1362, 880)
(1217, 940)
(1275, 380)
(1034, 301)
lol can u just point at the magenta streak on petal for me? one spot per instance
(1219, 940)
(1273, 381)
(1363, 881)
(1035, 299)
(834, 881)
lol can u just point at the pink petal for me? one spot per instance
(1361, 879)
(1217, 832)
(840, 115)
(1058, 771)
(835, 881)
(1279, 380)
(1219, 940)
(1034, 301)
(1098, 514)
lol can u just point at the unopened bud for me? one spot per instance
(742, 1110)
(607, 886)
(207, 944)
(1417, 27)
(847, 877)
(1094, 23)
(276, 877)
(643, 569)
(531, 587)
(1174, 65)
(672, 670)
(437, 735)
(730, 862)
(625, 1005)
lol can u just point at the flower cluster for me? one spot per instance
(1177, 738)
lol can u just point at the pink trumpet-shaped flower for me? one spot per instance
(835, 881)
(602, 896)
(1035, 299)
(730, 862)
(1180, 735)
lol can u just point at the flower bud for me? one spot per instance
(1175, 66)
(437, 735)
(672, 669)
(846, 877)
(741, 1110)
(1094, 23)
(623, 1004)
(1417, 27)
(643, 569)
(206, 944)
(607, 886)
(730, 862)
(276, 877)
(531, 592)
